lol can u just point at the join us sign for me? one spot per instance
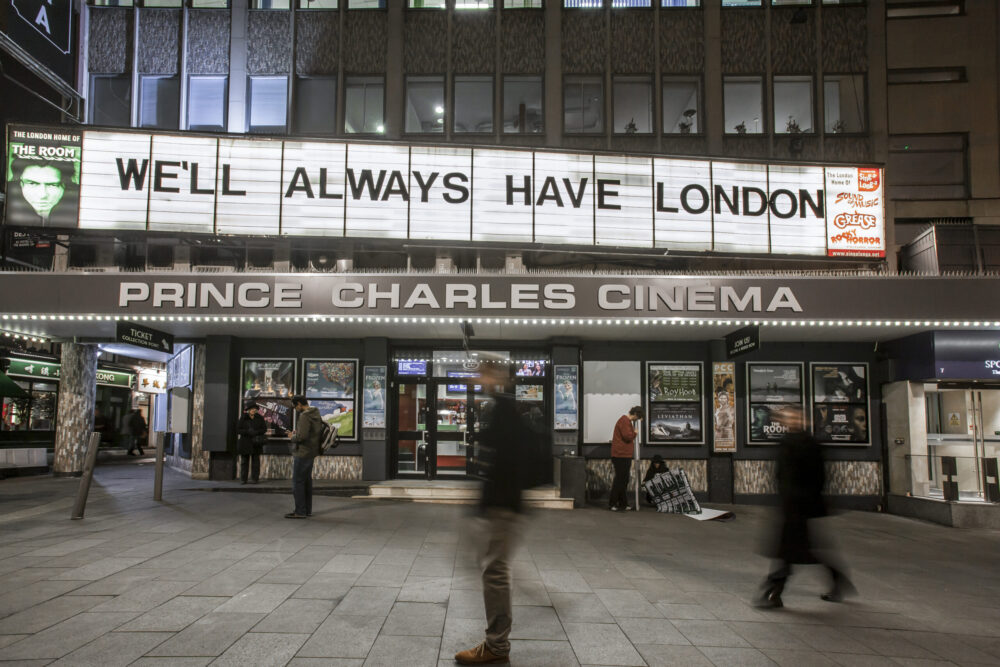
(223, 185)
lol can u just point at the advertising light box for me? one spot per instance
(133, 180)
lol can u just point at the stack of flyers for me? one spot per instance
(671, 491)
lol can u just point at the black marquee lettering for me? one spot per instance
(547, 186)
(733, 203)
(132, 172)
(526, 190)
(791, 197)
(817, 208)
(323, 194)
(761, 201)
(704, 198)
(425, 188)
(159, 175)
(602, 192)
(660, 207)
(300, 183)
(575, 197)
(366, 182)
(449, 182)
(396, 187)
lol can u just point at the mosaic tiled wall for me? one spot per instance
(325, 467)
(366, 39)
(425, 43)
(199, 457)
(159, 39)
(584, 42)
(75, 411)
(633, 36)
(843, 478)
(682, 42)
(473, 43)
(268, 37)
(522, 49)
(845, 46)
(743, 45)
(316, 42)
(600, 474)
(208, 41)
(793, 44)
(110, 37)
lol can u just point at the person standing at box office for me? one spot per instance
(511, 460)
(622, 450)
(305, 449)
(253, 434)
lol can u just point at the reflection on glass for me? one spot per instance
(207, 103)
(680, 106)
(364, 105)
(744, 102)
(473, 104)
(522, 104)
(424, 104)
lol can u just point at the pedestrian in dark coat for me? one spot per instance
(800, 476)
(622, 450)
(136, 432)
(253, 433)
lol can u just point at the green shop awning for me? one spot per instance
(10, 389)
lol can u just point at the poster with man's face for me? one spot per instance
(839, 383)
(43, 176)
(766, 425)
(840, 423)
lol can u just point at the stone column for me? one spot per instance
(199, 457)
(75, 414)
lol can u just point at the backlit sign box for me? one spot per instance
(138, 181)
(411, 367)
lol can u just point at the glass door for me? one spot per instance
(452, 432)
(412, 440)
(963, 430)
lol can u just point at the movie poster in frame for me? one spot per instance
(675, 406)
(772, 387)
(374, 398)
(566, 380)
(724, 406)
(840, 403)
(331, 386)
(270, 383)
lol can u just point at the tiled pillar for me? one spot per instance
(75, 414)
(199, 457)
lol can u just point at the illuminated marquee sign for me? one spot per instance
(188, 183)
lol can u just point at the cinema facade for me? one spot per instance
(894, 373)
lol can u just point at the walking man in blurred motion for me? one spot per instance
(800, 484)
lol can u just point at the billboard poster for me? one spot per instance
(840, 423)
(765, 425)
(278, 414)
(337, 413)
(329, 378)
(566, 381)
(43, 176)
(373, 398)
(775, 383)
(840, 383)
(855, 218)
(675, 423)
(724, 406)
(529, 392)
(272, 378)
(674, 382)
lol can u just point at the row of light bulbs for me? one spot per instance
(481, 361)
(17, 335)
(534, 321)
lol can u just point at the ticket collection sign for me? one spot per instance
(189, 183)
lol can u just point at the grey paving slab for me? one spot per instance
(65, 637)
(627, 603)
(769, 635)
(601, 644)
(536, 623)
(174, 615)
(98, 569)
(343, 637)
(392, 651)
(710, 633)
(460, 634)
(296, 573)
(402, 557)
(49, 613)
(113, 649)
(119, 582)
(425, 589)
(210, 635)
(263, 649)
(565, 581)
(296, 616)
(652, 631)
(797, 658)
(7, 640)
(862, 660)
(536, 653)
(605, 577)
(348, 563)
(736, 657)
(580, 608)
(227, 583)
(383, 575)
(367, 601)
(259, 598)
(433, 566)
(666, 655)
(144, 596)
(892, 643)
(326, 662)
(424, 619)
(692, 612)
(171, 662)
(35, 593)
(326, 586)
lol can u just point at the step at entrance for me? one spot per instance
(458, 492)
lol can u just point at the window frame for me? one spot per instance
(699, 80)
(292, 125)
(661, 6)
(726, 7)
(409, 8)
(634, 78)
(342, 89)
(965, 184)
(348, 7)
(142, 84)
(299, 6)
(444, 103)
(454, 100)
(812, 104)
(604, 106)
(92, 98)
(763, 104)
(503, 96)
(604, 5)
(864, 111)
(249, 103)
(225, 102)
(923, 5)
(960, 70)
(541, 5)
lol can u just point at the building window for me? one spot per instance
(426, 4)
(111, 3)
(162, 3)
(843, 2)
(744, 104)
(207, 103)
(318, 4)
(741, 3)
(630, 4)
(522, 4)
(779, 3)
(268, 104)
(424, 104)
(927, 166)
(583, 104)
(583, 4)
(927, 75)
(522, 105)
(366, 4)
(681, 105)
(633, 105)
(473, 4)
(270, 4)
(111, 100)
(210, 4)
(159, 102)
(364, 105)
(473, 104)
(680, 3)
(844, 103)
(793, 104)
(314, 108)
(916, 10)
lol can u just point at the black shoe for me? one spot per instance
(833, 596)
(309, 513)
(769, 599)
(130, 453)
(293, 515)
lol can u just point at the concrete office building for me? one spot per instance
(352, 200)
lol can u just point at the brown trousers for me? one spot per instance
(501, 532)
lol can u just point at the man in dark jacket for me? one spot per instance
(508, 463)
(253, 431)
(136, 432)
(801, 477)
(306, 443)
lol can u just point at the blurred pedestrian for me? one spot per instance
(796, 541)
(622, 450)
(253, 434)
(305, 449)
(136, 432)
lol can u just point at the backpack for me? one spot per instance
(328, 437)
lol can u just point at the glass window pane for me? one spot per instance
(680, 3)
(633, 102)
(583, 4)
(473, 104)
(269, 4)
(844, 103)
(210, 4)
(627, 4)
(473, 4)
(522, 4)
(207, 103)
(424, 104)
(522, 104)
(111, 101)
(364, 105)
(315, 105)
(366, 4)
(680, 106)
(162, 3)
(268, 103)
(741, 3)
(159, 104)
(793, 105)
(112, 3)
(426, 4)
(791, 2)
(318, 4)
(583, 105)
(743, 101)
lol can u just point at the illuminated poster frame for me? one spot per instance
(770, 404)
(675, 403)
(323, 397)
(834, 411)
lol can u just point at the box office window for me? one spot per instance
(366, 4)
(473, 104)
(743, 100)
(159, 102)
(522, 105)
(111, 100)
(473, 4)
(844, 103)
(793, 104)
(207, 103)
(268, 104)
(314, 108)
(364, 105)
(681, 105)
(270, 4)
(424, 104)
(583, 104)
(633, 105)
(426, 4)
(927, 166)
(522, 4)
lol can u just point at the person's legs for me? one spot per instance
(299, 470)
(774, 585)
(308, 496)
(620, 483)
(244, 467)
(131, 445)
(254, 468)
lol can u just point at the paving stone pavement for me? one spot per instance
(222, 578)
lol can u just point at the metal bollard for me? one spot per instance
(88, 476)
(158, 479)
